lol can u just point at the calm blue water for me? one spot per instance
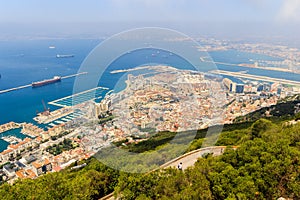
(138, 58)
(15, 132)
(237, 57)
(22, 62)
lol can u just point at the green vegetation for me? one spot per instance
(106, 119)
(1, 166)
(266, 165)
(65, 145)
(163, 138)
(153, 142)
(92, 182)
(58, 136)
(284, 110)
(148, 130)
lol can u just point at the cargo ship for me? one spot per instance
(64, 56)
(46, 82)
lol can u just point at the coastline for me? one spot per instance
(51, 90)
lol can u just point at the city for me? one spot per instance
(169, 100)
(150, 99)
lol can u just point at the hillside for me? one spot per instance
(265, 166)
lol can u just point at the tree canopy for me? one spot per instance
(266, 165)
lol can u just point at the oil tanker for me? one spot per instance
(46, 82)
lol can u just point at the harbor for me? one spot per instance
(11, 139)
(13, 135)
(30, 85)
(67, 113)
(9, 126)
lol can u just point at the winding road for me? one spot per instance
(187, 160)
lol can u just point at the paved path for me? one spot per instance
(190, 158)
(187, 160)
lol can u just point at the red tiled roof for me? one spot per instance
(46, 162)
(36, 165)
(6, 151)
(57, 168)
(30, 173)
(21, 173)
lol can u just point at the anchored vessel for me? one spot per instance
(64, 56)
(46, 82)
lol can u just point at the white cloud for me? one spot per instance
(290, 10)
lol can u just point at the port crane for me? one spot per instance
(46, 111)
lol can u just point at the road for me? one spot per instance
(188, 160)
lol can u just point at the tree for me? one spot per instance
(259, 127)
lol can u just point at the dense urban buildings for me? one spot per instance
(169, 100)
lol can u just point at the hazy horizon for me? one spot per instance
(251, 20)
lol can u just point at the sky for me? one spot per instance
(64, 17)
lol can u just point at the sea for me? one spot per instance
(23, 62)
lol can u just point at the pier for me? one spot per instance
(29, 85)
(255, 77)
(16, 88)
(81, 97)
(149, 67)
(73, 75)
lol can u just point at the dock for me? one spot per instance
(29, 85)
(81, 97)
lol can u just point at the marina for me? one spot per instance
(81, 97)
(11, 139)
(54, 115)
(51, 125)
(9, 126)
(60, 116)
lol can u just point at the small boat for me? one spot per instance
(244, 72)
(64, 56)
